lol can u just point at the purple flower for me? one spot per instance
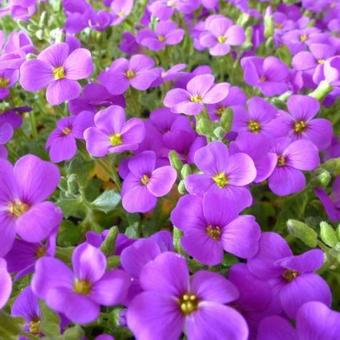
(58, 70)
(112, 134)
(5, 283)
(166, 33)
(139, 72)
(287, 177)
(269, 74)
(8, 78)
(200, 90)
(164, 9)
(26, 305)
(260, 151)
(313, 61)
(258, 122)
(211, 225)
(220, 34)
(300, 123)
(235, 98)
(61, 143)
(23, 255)
(145, 183)
(314, 321)
(120, 10)
(292, 277)
(222, 172)
(94, 97)
(173, 302)
(21, 10)
(332, 71)
(24, 188)
(78, 294)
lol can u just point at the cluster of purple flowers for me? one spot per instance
(250, 120)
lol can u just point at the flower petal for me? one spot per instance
(37, 179)
(162, 180)
(62, 90)
(78, 64)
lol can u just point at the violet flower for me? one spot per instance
(211, 225)
(61, 143)
(269, 74)
(257, 121)
(24, 188)
(166, 33)
(220, 34)
(292, 277)
(8, 78)
(5, 284)
(78, 294)
(222, 172)
(145, 183)
(300, 124)
(112, 134)
(200, 90)
(173, 302)
(287, 177)
(120, 10)
(26, 306)
(314, 321)
(58, 70)
(139, 72)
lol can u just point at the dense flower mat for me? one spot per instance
(169, 169)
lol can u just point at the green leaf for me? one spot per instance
(108, 246)
(333, 166)
(107, 201)
(10, 327)
(74, 333)
(303, 232)
(49, 321)
(328, 234)
(72, 207)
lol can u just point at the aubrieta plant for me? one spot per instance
(170, 169)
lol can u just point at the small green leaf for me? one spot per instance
(107, 201)
(303, 232)
(74, 333)
(10, 327)
(328, 234)
(175, 161)
(108, 246)
(49, 321)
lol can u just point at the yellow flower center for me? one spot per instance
(161, 38)
(303, 37)
(219, 111)
(279, 25)
(34, 326)
(299, 126)
(188, 303)
(130, 74)
(82, 287)
(214, 232)
(254, 126)
(40, 252)
(59, 73)
(221, 39)
(121, 14)
(17, 208)
(116, 139)
(196, 98)
(289, 275)
(66, 131)
(262, 79)
(220, 179)
(145, 179)
(321, 61)
(281, 161)
(4, 82)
